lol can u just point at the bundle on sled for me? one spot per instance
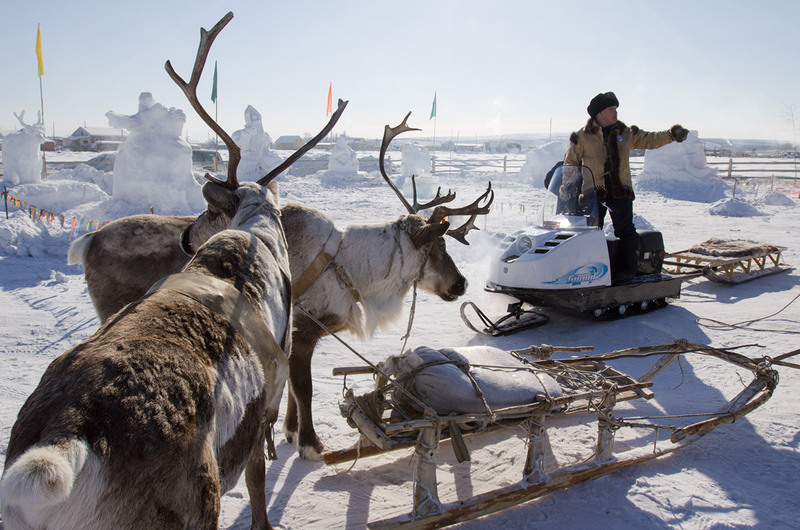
(427, 395)
(567, 262)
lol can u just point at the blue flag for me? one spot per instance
(433, 109)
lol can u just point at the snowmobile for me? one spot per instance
(568, 262)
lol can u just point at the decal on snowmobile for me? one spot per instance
(583, 274)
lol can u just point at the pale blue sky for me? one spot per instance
(500, 67)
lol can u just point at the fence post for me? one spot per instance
(433, 164)
(730, 167)
(505, 159)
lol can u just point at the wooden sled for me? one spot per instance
(730, 261)
(593, 388)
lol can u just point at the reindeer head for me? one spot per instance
(440, 274)
(225, 197)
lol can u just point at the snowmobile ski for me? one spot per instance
(515, 320)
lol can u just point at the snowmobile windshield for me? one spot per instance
(571, 199)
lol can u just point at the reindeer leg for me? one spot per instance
(290, 420)
(309, 445)
(255, 475)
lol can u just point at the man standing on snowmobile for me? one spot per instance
(604, 146)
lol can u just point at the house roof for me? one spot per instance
(97, 131)
(289, 138)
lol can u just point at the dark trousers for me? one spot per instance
(621, 210)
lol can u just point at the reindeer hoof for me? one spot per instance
(290, 436)
(309, 452)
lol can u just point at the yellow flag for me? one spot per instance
(39, 59)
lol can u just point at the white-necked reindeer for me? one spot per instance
(332, 279)
(366, 271)
(149, 421)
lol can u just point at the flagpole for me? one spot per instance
(40, 68)
(44, 156)
(433, 147)
(215, 99)
(434, 116)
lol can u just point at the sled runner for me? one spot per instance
(428, 395)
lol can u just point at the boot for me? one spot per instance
(627, 262)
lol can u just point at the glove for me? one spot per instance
(678, 133)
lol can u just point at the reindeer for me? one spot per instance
(331, 279)
(356, 280)
(150, 420)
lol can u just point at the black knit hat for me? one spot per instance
(601, 102)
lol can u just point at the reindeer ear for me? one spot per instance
(186, 245)
(430, 233)
(219, 198)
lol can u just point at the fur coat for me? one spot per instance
(587, 147)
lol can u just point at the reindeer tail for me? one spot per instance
(77, 249)
(44, 475)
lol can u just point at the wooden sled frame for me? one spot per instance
(382, 430)
(730, 270)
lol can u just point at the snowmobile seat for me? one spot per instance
(651, 251)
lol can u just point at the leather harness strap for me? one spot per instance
(314, 271)
(324, 259)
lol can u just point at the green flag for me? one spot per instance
(433, 110)
(214, 88)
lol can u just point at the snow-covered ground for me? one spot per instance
(741, 475)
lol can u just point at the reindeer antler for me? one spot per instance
(190, 90)
(473, 210)
(439, 212)
(438, 199)
(309, 145)
(388, 135)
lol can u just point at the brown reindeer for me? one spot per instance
(149, 421)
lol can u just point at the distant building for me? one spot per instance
(95, 139)
(290, 143)
(360, 144)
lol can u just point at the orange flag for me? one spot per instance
(330, 99)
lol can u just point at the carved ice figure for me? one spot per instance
(22, 154)
(540, 160)
(153, 168)
(257, 158)
(417, 161)
(343, 159)
(679, 170)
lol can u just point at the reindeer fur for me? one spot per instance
(149, 421)
(381, 260)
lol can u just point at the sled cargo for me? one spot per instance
(425, 396)
(730, 261)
